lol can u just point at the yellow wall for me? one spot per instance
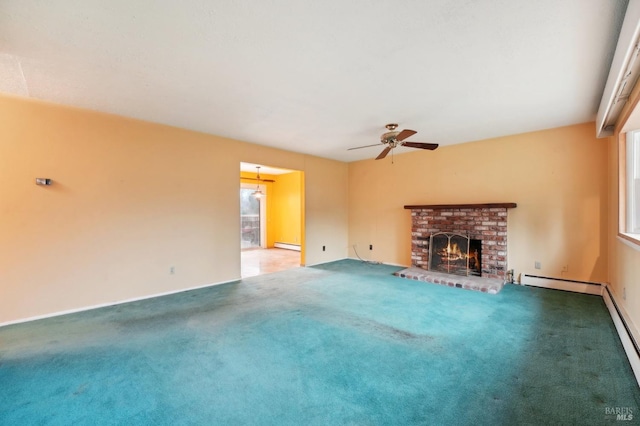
(286, 213)
(130, 200)
(329, 178)
(557, 177)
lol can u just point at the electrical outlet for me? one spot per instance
(538, 265)
(370, 246)
(324, 248)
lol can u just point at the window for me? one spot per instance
(631, 223)
(252, 217)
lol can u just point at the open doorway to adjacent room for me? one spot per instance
(271, 219)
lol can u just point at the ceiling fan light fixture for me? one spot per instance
(394, 138)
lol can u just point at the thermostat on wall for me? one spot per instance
(43, 181)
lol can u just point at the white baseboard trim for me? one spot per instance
(324, 263)
(586, 287)
(287, 246)
(629, 335)
(104, 305)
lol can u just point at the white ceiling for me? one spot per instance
(317, 77)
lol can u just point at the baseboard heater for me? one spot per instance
(588, 287)
(627, 332)
(287, 246)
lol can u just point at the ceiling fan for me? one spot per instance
(393, 139)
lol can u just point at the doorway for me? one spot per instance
(271, 219)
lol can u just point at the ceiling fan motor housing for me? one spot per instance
(389, 137)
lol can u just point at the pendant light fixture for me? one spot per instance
(258, 193)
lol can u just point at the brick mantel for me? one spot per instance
(486, 222)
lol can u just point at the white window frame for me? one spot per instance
(629, 188)
(263, 210)
(632, 184)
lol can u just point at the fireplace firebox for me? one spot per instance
(455, 254)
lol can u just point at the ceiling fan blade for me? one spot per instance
(383, 153)
(366, 146)
(421, 145)
(405, 134)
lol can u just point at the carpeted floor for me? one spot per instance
(342, 343)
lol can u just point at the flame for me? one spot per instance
(452, 252)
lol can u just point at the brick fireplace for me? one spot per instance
(485, 223)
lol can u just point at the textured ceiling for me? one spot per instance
(317, 77)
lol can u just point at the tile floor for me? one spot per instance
(264, 261)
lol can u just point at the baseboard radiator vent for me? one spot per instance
(287, 246)
(628, 333)
(588, 287)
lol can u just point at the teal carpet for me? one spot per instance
(342, 343)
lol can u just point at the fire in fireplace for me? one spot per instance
(455, 254)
